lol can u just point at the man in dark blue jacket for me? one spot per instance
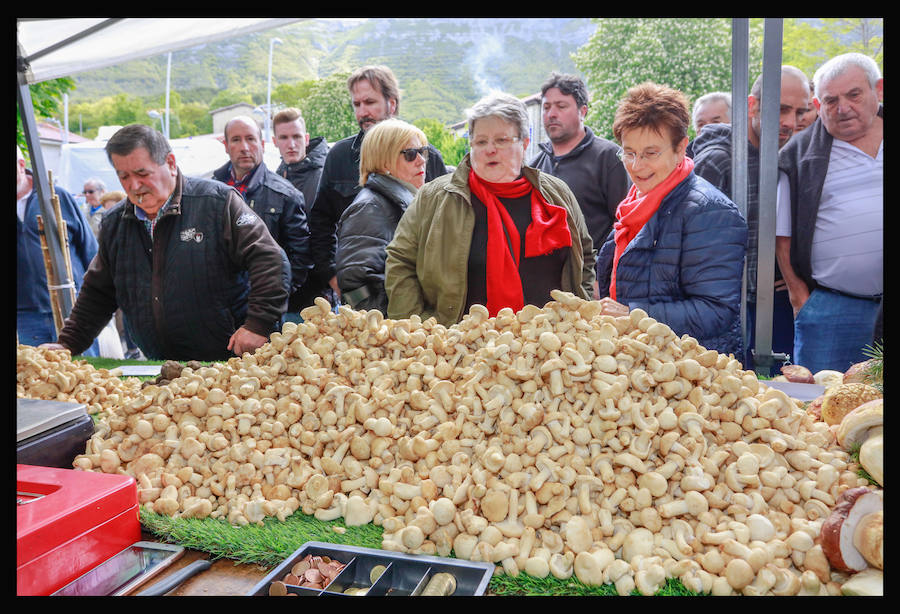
(273, 198)
(34, 316)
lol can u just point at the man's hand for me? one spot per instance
(244, 340)
(612, 308)
(51, 346)
(798, 294)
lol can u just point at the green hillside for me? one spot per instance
(443, 65)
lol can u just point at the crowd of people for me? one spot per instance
(206, 269)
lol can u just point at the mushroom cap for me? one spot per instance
(828, 378)
(857, 372)
(855, 425)
(838, 529)
(841, 400)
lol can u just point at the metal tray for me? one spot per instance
(404, 575)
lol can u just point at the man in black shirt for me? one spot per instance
(375, 95)
(587, 163)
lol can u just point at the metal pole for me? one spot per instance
(768, 183)
(168, 80)
(42, 187)
(740, 87)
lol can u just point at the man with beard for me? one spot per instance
(375, 95)
(712, 161)
(587, 163)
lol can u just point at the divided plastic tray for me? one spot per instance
(404, 574)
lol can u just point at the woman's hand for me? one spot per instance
(610, 307)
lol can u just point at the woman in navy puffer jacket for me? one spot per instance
(678, 244)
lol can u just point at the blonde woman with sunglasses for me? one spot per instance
(392, 164)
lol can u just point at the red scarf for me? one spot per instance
(547, 231)
(635, 211)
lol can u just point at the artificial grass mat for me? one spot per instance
(272, 542)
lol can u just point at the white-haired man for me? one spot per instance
(829, 234)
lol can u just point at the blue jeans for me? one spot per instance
(782, 330)
(35, 328)
(831, 330)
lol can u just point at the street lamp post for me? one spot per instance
(162, 126)
(268, 122)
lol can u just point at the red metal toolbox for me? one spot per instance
(69, 521)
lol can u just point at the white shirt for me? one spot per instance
(848, 241)
(20, 206)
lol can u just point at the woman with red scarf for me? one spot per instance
(494, 232)
(678, 244)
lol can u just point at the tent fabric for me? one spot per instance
(120, 41)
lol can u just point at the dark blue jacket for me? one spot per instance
(685, 266)
(31, 279)
(280, 205)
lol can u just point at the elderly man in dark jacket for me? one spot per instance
(273, 198)
(195, 271)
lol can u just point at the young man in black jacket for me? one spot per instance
(375, 95)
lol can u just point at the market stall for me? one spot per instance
(554, 445)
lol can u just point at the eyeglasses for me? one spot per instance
(630, 158)
(89, 191)
(502, 142)
(410, 154)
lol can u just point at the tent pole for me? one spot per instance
(768, 184)
(740, 86)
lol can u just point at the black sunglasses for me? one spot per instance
(410, 154)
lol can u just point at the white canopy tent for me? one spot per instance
(53, 48)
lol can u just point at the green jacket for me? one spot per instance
(427, 260)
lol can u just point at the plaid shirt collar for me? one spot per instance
(149, 224)
(240, 185)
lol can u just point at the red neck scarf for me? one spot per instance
(635, 211)
(547, 231)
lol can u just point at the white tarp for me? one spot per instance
(121, 41)
(196, 156)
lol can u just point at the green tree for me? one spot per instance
(690, 54)
(46, 100)
(452, 147)
(809, 44)
(327, 109)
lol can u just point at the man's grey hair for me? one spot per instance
(129, 138)
(708, 98)
(96, 182)
(786, 71)
(837, 65)
(506, 107)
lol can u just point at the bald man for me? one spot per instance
(273, 198)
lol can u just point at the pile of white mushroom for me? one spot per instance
(52, 375)
(552, 441)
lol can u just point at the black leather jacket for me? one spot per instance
(281, 207)
(363, 232)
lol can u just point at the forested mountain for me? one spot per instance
(443, 65)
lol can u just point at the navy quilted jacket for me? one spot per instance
(685, 266)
